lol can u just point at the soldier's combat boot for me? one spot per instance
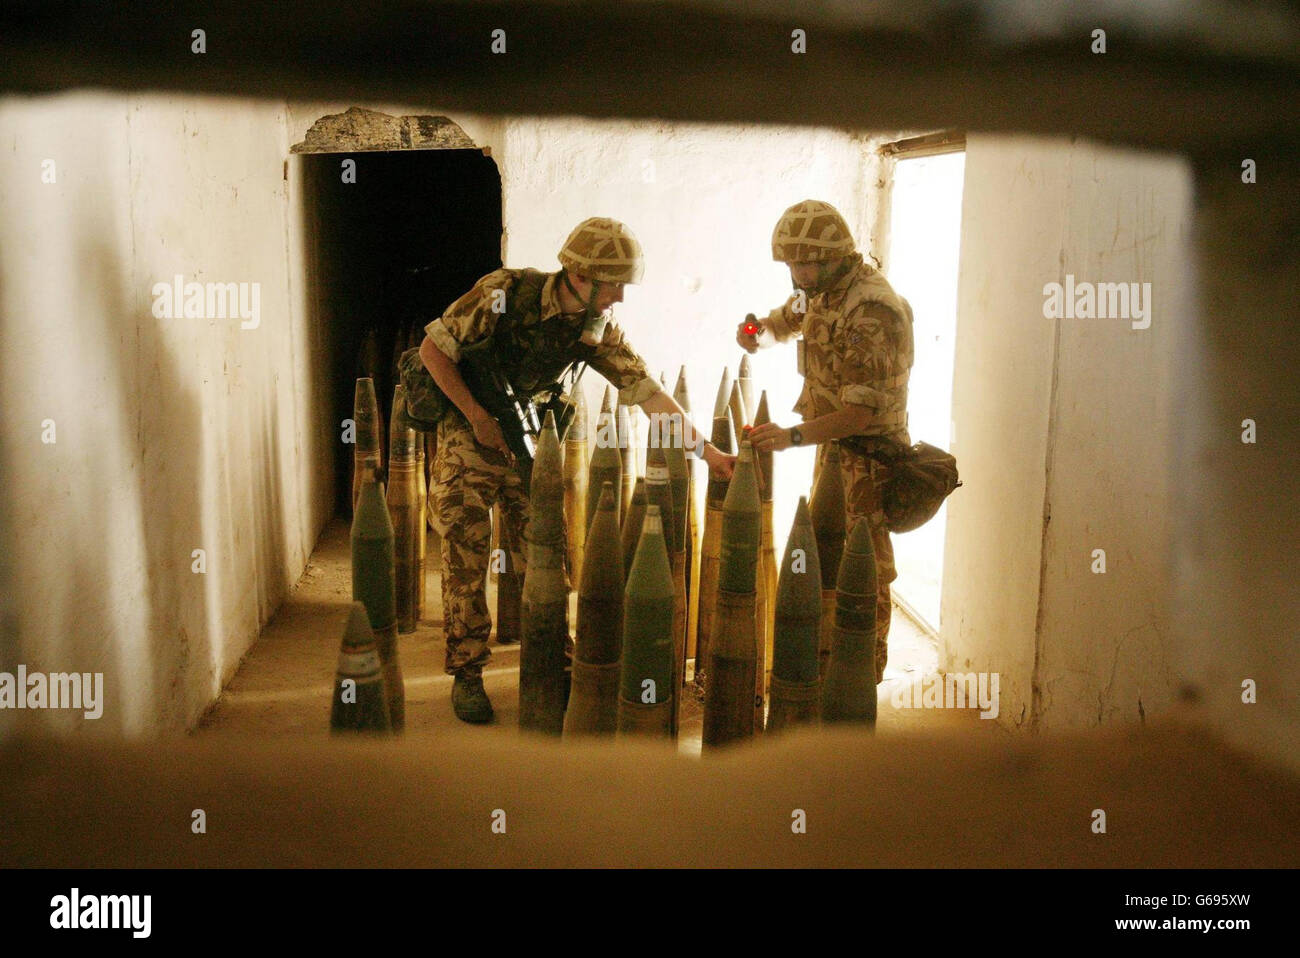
(468, 699)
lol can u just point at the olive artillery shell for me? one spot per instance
(544, 612)
(606, 462)
(659, 493)
(575, 485)
(646, 695)
(680, 392)
(422, 546)
(593, 701)
(711, 546)
(764, 457)
(682, 395)
(796, 689)
(767, 548)
(631, 534)
(741, 527)
(360, 702)
(367, 429)
(373, 585)
(626, 454)
(764, 605)
(827, 512)
(744, 379)
(404, 512)
(849, 691)
(739, 417)
(729, 699)
(678, 481)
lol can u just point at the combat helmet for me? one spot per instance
(809, 232)
(604, 250)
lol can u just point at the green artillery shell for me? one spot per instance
(626, 454)
(360, 702)
(593, 701)
(711, 546)
(544, 612)
(741, 527)
(849, 692)
(575, 485)
(606, 462)
(767, 549)
(827, 511)
(659, 492)
(796, 690)
(745, 381)
(631, 534)
(404, 512)
(729, 688)
(366, 432)
(678, 478)
(737, 406)
(680, 392)
(764, 604)
(646, 694)
(729, 698)
(678, 481)
(682, 395)
(764, 456)
(373, 584)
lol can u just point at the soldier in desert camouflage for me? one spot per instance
(539, 322)
(855, 354)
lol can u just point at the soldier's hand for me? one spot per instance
(748, 332)
(487, 431)
(770, 436)
(721, 465)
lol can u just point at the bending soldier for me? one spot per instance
(539, 323)
(855, 354)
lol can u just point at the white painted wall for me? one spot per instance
(172, 434)
(1064, 418)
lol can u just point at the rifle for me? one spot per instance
(520, 418)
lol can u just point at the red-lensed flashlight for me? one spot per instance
(751, 325)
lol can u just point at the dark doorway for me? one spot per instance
(389, 252)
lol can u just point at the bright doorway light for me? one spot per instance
(925, 234)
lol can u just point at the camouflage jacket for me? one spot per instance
(856, 348)
(540, 340)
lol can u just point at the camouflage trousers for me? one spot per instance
(864, 479)
(468, 480)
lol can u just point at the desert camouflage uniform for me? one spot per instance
(857, 349)
(469, 478)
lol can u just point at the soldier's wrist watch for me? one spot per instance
(796, 437)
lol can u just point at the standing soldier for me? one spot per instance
(855, 355)
(539, 324)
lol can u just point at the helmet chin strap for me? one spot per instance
(588, 305)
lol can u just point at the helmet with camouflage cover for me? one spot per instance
(809, 232)
(604, 250)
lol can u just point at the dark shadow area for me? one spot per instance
(388, 253)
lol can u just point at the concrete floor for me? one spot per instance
(285, 682)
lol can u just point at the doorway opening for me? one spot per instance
(392, 240)
(924, 245)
